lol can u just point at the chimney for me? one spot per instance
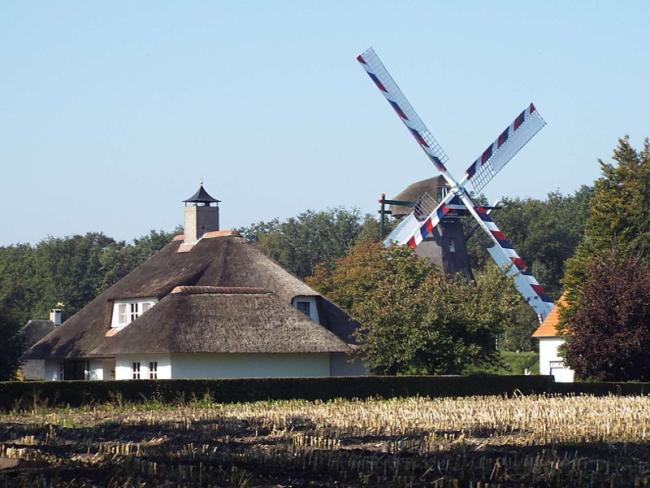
(201, 215)
(55, 316)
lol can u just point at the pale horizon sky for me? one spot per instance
(111, 112)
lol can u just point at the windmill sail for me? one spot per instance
(412, 230)
(513, 265)
(397, 100)
(528, 123)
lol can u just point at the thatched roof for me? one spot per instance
(228, 321)
(220, 261)
(34, 330)
(414, 191)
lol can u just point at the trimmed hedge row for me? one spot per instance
(27, 395)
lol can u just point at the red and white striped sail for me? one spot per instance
(513, 265)
(387, 86)
(528, 123)
(412, 230)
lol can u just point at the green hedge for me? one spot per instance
(27, 395)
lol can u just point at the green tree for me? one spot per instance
(413, 318)
(618, 214)
(11, 345)
(300, 243)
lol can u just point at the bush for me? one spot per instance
(33, 395)
(30, 395)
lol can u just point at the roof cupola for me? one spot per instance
(201, 215)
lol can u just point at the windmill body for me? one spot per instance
(427, 215)
(446, 245)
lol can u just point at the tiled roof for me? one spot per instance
(548, 328)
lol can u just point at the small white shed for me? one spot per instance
(549, 341)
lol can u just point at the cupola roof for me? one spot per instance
(201, 196)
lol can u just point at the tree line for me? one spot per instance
(72, 270)
(563, 238)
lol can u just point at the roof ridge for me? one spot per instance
(207, 289)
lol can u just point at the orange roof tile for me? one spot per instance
(548, 328)
(221, 233)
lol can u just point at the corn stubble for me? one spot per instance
(479, 442)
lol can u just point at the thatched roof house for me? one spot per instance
(206, 305)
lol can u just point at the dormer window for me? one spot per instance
(307, 305)
(304, 307)
(126, 311)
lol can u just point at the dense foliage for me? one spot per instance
(618, 212)
(300, 243)
(413, 318)
(605, 322)
(608, 329)
(544, 232)
(11, 344)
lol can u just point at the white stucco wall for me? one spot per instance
(102, 369)
(124, 366)
(205, 365)
(52, 368)
(343, 365)
(33, 369)
(548, 353)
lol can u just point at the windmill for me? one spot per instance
(427, 215)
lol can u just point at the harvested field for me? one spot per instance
(473, 441)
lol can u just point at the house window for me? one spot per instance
(136, 370)
(304, 307)
(153, 370)
(126, 311)
(134, 312)
(122, 314)
(75, 369)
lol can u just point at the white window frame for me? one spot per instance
(153, 370)
(135, 370)
(128, 310)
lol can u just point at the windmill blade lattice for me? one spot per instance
(528, 123)
(397, 100)
(412, 231)
(513, 265)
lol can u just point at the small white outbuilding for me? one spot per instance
(550, 362)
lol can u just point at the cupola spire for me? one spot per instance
(201, 215)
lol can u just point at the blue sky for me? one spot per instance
(111, 112)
